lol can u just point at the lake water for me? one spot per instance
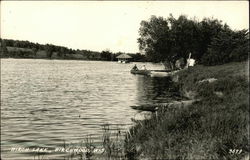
(44, 102)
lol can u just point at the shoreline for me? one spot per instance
(208, 122)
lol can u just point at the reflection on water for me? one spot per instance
(44, 102)
(152, 90)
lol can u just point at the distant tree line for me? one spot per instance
(209, 41)
(24, 49)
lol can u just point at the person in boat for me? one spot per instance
(144, 67)
(135, 68)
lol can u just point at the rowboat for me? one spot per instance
(152, 73)
(141, 72)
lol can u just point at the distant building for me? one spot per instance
(123, 58)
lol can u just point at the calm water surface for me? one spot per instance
(44, 102)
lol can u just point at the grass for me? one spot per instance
(112, 143)
(208, 129)
(188, 78)
(111, 147)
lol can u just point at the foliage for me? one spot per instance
(183, 34)
(138, 57)
(209, 41)
(3, 49)
(226, 47)
(107, 55)
(154, 38)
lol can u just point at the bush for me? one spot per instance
(227, 46)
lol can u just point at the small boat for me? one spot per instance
(141, 72)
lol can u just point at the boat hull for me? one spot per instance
(141, 72)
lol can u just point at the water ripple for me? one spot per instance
(44, 102)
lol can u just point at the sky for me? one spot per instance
(105, 25)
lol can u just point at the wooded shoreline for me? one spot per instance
(25, 49)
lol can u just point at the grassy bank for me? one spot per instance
(213, 128)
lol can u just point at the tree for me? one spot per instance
(106, 55)
(62, 52)
(138, 57)
(209, 41)
(184, 36)
(3, 49)
(227, 46)
(49, 50)
(168, 40)
(208, 29)
(154, 39)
